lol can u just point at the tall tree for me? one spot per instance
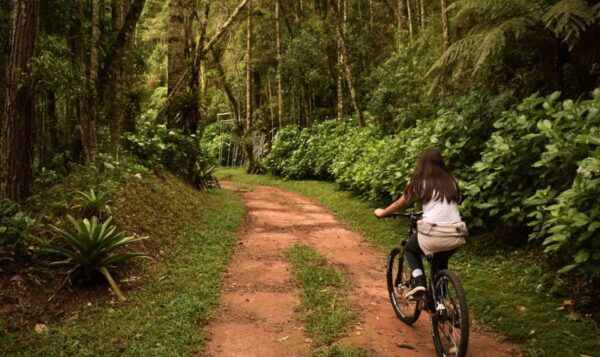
(175, 48)
(19, 101)
(422, 15)
(247, 141)
(340, 70)
(279, 57)
(445, 24)
(410, 20)
(347, 65)
(401, 19)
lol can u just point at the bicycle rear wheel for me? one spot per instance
(450, 320)
(398, 281)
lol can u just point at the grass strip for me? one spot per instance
(342, 351)
(505, 287)
(165, 315)
(325, 311)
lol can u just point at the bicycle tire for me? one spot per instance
(445, 324)
(397, 269)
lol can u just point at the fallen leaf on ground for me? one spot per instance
(40, 328)
(283, 338)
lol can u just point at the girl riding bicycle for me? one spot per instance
(441, 230)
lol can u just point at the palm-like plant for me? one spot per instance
(497, 28)
(92, 202)
(93, 246)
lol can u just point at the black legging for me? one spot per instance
(413, 252)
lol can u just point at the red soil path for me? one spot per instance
(257, 314)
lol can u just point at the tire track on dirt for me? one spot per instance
(257, 310)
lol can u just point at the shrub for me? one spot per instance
(537, 164)
(159, 147)
(94, 246)
(15, 229)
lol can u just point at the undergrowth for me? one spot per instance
(191, 235)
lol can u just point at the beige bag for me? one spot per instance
(435, 238)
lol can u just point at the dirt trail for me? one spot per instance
(256, 315)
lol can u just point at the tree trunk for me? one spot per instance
(401, 20)
(340, 68)
(279, 81)
(410, 20)
(247, 141)
(177, 83)
(115, 87)
(175, 50)
(347, 65)
(422, 14)
(19, 101)
(445, 24)
(89, 109)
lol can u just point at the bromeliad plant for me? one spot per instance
(92, 203)
(94, 246)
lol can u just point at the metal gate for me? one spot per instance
(231, 152)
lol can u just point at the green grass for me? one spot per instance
(342, 351)
(192, 236)
(324, 310)
(506, 288)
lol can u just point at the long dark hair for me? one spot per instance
(431, 179)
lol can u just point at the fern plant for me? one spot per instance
(94, 246)
(497, 28)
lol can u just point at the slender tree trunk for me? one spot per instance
(279, 54)
(115, 112)
(347, 65)
(19, 101)
(401, 20)
(175, 50)
(422, 14)
(90, 108)
(410, 20)
(445, 24)
(340, 70)
(51, 122)
(247, 142)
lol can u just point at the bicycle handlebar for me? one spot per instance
(403, 214)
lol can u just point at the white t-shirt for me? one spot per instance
(440, 211)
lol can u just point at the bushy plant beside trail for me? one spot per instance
(158, 147)
(537, 164)
(309, 152)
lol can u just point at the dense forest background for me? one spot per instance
(507, 90)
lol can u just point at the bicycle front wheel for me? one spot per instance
(450, 320)
(398, 282)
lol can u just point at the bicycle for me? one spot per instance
(444, 299)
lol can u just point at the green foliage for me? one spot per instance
(94, 246)
(156, 146)
(397, 87)
(15, 229)
(91, 203)
(512, 35)
(204, 178)
(212, 139)
(521, 168)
